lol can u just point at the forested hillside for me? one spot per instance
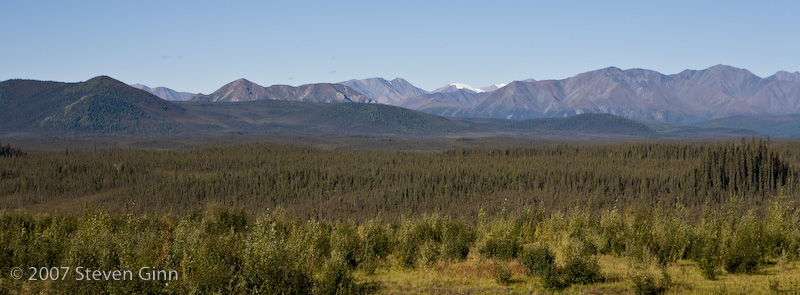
(101, 106)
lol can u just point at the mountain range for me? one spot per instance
(392, 92)
(688, 97)
(720, 101)
(244, 90)
(103, 106)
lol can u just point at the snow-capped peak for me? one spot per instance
(491, 88)
(452, 87)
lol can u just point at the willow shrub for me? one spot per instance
(745, 249)
(377, 244)
(415, 240)
(457, 238)
(539, 260)
(503, 241)
(270, 266)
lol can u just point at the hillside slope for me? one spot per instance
(101, 105)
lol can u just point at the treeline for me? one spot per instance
(751, 169)
(9, 151)
(323, 184)
(223, 251)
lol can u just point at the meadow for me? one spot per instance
(621, 218)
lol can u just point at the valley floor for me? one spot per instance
(475, 276)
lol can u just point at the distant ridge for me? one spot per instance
(392, 92)
(244, 90)
(103, 106)
(722, 96)
(688, 97)
(459, 103)
(165, 93)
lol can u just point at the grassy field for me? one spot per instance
(474, 276)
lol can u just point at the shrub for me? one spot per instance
(646, 285)
(313, 241)
(578, 269)
(746, 250)
(337, 277)
(346, 241)
(538, 260)
(554, 279)
(418, 241)
(376, 243)
(501, 271)
(612, 231)
(581, 270)
(457, 238)
(708, 267)
(706, 251)
(269, 266)
(503, 243)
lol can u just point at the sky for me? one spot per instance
(198, 46)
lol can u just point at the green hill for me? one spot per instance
(101, 105)
(775, 126)
(317, 119)
(593, 123)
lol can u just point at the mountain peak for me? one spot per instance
(165, 93)
(398, 79)
(492, 87)
(393, 92)
(785, 76)
(243, 81)
(104, 80)
(453, 87)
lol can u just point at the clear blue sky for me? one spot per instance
(198, 46)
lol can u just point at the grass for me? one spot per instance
(474, 276)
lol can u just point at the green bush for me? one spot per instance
(538, 260)
(646, 285)
(337, 277)
(745, 252)
(501, 272)
(581, 270)
(554, 279)
(612, 232)
(376, 245)
(347, 243)
(504, 242)
(706, 249)
(419, 242)
(270, 267)
(313, 242)
(708, 267)
(644, 278)
(578, 269)
(457, 238)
